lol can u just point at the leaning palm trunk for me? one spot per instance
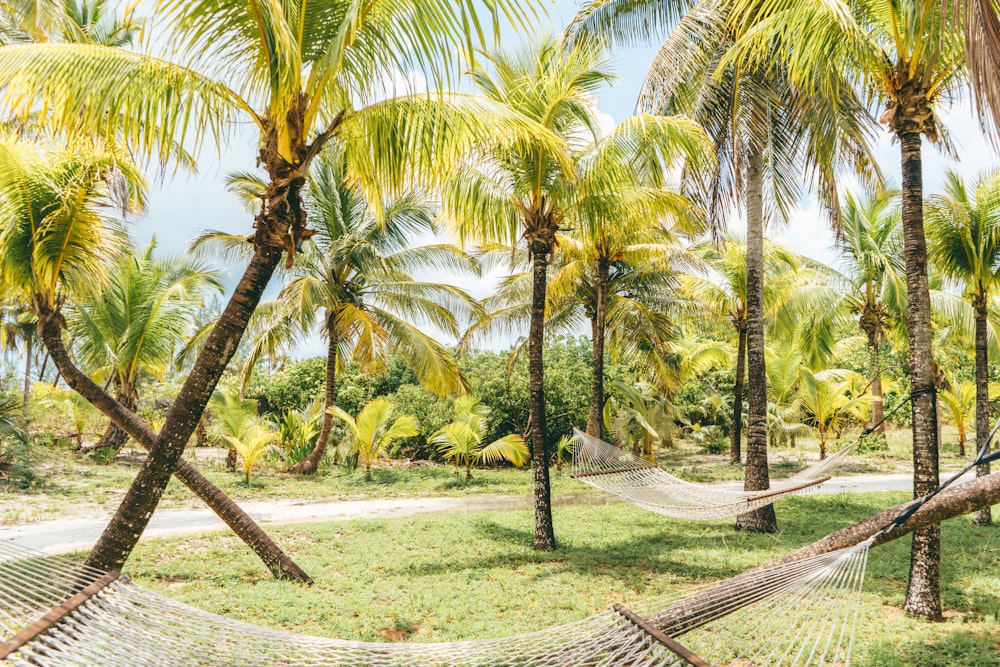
(544, 534)
(280, 565)
(762, 520)
(983, 517)
(310, 464)
(735, 453)
(598, 325)
(923, 596)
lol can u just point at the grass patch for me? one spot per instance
(445, 578)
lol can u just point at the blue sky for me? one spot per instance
(185, 204)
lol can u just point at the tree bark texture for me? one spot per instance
(114, 436)
(280, 565)
(544, 533)
(874, 361)
(736, 435)
(984, 516)
(598, 327)
(923, 597)
(762, 520)
(310, 464)
(28, 340)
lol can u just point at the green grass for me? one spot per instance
(474, 576)
(69, 484)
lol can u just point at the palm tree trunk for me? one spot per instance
(114, 436)
(923, 597)
(735, 455)
(27, 372)
(41, 371)
(762, 520)
(598, 328)
(126, 526)
(983, 517)
(280, 565)
(874, 362)
(545, 539)
(308, 465)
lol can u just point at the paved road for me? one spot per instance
(63, 535)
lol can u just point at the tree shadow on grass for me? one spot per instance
(960, 648)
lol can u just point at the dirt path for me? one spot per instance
(73, 534)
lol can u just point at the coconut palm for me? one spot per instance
(725, 293)
(622, 276)
(372, 431)
(909, 57)
(462, 440)
(528, 193)
(958, 398)
(870, 247)
(826, 401)
(764, 132)
(252, 446)
(54, 243)
(132, 325)
(355, 280)
(963, 226)
(302, 74)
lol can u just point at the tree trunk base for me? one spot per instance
(983, 517)
(923, 597)
(306, 466)
(761, 520)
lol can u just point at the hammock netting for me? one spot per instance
(645, 485)
(800, 614)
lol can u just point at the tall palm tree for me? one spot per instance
(527, 193)
(765, 134)
(870, 246)
(622, 274)
(726, 293)
(133, 324)
(908, 56)
(355, 280)
(964, 244)
(301, 74)
(54, 243)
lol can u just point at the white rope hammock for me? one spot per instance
(642, 483)
(56, 612)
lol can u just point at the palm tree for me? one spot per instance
(623, 276)
(529, 192)
(964, 244)
(826, 401)
(959, 400)
(726, 293)
(870, 250)
(133, 324)
(908, 56)
(372, 431)
(252, 446)
(764, 132)
(462, 439)
(355, 278)
(302, 74)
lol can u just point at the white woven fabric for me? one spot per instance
(800, 614)
(612, 469)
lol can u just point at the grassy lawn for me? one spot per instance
(68, 484)
(476, 576)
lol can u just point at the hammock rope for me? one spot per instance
(800, 614)
(614, 470)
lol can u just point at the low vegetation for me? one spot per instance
(476, 576)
